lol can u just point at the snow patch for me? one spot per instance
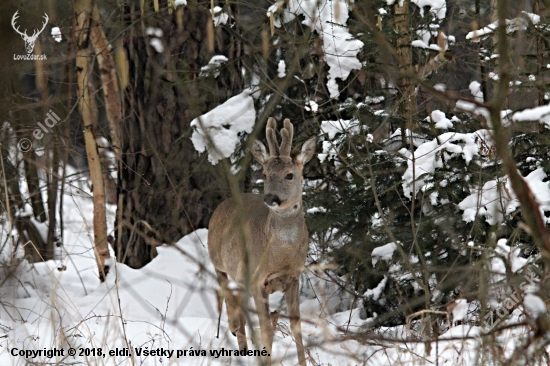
(56, 34)
(534, 306)
(219, 130)
(541, 114)
(213, 66)
(428, 156)
(157, 45)
(496, 198)
(475, 89)
(281, 69)
(219, 16)
(328, 19)
(385, 252)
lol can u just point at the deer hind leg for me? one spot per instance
(261, 299)
(233, 302)
(274, 320)
(292, 296)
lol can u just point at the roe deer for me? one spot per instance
(272, 230)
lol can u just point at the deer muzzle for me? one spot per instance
(272, 200)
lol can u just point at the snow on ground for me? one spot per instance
(170, 305)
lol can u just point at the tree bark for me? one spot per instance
(530, 209)
(166, 190)
(407, 105)
(83, 10)
(109, 82)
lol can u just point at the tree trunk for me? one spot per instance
(83, 10)
(109, 80)
(407, 105)
(166, 190)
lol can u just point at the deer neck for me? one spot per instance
(287, 225)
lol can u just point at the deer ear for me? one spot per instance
(302, 154)
(259, 152)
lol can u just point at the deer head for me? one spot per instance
(283, 168)
(29, 41)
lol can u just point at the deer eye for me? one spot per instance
(289, 176)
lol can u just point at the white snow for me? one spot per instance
(152, 31)
(56, 34)
(419, 43)
(315, 210)
(437, 7)
(511, 256)
(428, 156)
(440, 87)
(384, 252)
(171, 304)
(541, 114)
(482, 112)
(441, 121)
(281, 69)
(331, 128)
(534, 18)
(475, 89)
(220, 17)
(273, 9)
(328, 19)
(157, 44)
(512, 25)
(375, 293)
(219, 130)
(460, 312)
(374, 100)
(534, 305)
(496, 198)
(311, 106)
(213, 67)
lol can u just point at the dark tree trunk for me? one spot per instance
(166, 190)
(406, 101)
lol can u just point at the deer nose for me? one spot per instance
(272, 200)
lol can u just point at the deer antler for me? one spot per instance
(287, 133)
(37, 32)
(271, 138)
(13, 19)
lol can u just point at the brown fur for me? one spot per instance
(276, 236)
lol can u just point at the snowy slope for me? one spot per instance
(170, 305)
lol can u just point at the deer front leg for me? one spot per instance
(241, 332)
(233, 303)
(261, 299)
(292, 296)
